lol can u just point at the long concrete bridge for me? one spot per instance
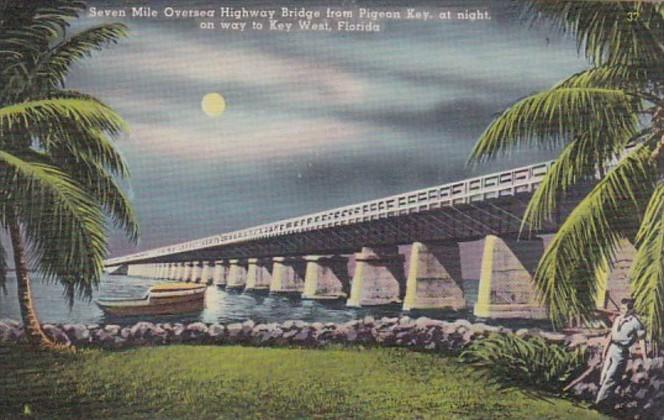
(308, 255)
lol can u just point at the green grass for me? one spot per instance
(232, 381)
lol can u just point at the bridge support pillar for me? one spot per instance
(326, 277)
(378, 277)
(188, 268)
(181, 271)
(287, 275)
(434, 277)
(132, 270)
(196, 271)
(614, 282)
(506, 288)
(259, 274)
(168, 273)
(206, 272)
(220, 273)
(161, 273)
(237, 274)
(173, 271)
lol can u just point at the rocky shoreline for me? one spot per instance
(642, 393)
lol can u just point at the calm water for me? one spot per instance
(220, 306)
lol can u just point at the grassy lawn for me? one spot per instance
(232, 381)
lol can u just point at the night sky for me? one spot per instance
(313, 121)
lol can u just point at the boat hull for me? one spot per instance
(157, 303)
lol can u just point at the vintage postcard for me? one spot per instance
(335, 209)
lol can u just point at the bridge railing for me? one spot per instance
(507, 183)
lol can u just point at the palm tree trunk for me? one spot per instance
(33, 330)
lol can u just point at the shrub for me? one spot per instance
(507, 359)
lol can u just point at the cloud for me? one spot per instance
(245, 141)
(185, 60)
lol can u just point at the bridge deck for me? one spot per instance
(472, 190)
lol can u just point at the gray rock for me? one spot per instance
(479, 328)
(100, 336)
(197, 327)
(7, 332)
(553, 336)
(56, 334)
(216, 330)
(141, 328)
(302, 336)
(119, 342)
(216, 333)
(77, 333)
(641, 394)
(17, 335)
(146, 333)
(462, 323)
(234, 330)
(125, 332)
(11, 322)
(195, 332)
(300, 324)
(290, 333)
(423, 322)
(352, 324)
(247, 327)
(522, 332)
(113, 329)
(178, 330)
(576, 340)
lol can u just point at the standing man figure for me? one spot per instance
(626, 330)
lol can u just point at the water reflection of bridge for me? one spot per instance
(309, 255)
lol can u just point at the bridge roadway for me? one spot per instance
(308, 255)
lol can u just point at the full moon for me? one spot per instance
(213, 104)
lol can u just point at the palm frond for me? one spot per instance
(26, 29)
(605, 31)
(509, 360)
(55, 64)
(647, 273)
(633, 78)
(581, 160)
(94, 179)
(588, 238)
(62, 223)
(55, 113)
(81, 143)
(552, 118)
(88, 146)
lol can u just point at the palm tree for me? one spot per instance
(609, 121)
(56, 154)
